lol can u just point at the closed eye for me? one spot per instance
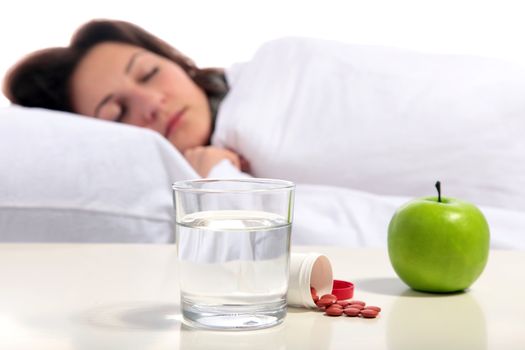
(149, 75)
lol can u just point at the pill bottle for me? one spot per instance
(308, 270)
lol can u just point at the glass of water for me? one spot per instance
(233, 243)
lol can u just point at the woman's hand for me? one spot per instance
(203, 159)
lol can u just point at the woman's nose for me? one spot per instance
(146, 105)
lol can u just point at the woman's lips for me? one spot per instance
(174, 121)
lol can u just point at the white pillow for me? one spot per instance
(381, 120)
(69, 178)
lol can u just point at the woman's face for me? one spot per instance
(128, 84)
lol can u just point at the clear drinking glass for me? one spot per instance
(233, 243)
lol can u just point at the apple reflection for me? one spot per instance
(436, 321)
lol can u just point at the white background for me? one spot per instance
(220, 32)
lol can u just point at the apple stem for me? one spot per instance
(438, 187)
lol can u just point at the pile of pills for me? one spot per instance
(353, 308)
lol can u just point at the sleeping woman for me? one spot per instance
(383, 120)
(116, 71)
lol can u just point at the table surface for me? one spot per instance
(113, 296)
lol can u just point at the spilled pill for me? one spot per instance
(376, 308)
(351, 311)
(330, 297)
(369, 313)
(351, 308)
(334, 311)
(343, 303)
(324, 302)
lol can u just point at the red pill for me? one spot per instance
(324, 302)
(357, 306)
(351, 311)
(375, 308)
(330, 297)
(352, 308)
(369, 313)
(334, 311)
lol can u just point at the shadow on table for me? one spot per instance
(298, 310)
(393, 286)
(387, 285)
(133, 315)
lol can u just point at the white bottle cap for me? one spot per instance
(308, 270)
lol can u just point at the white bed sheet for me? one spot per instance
(339, 216)
(333, 215)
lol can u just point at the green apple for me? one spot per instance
(438, 244)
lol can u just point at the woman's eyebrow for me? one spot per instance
(132, 61)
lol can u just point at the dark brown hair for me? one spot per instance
(42, 79)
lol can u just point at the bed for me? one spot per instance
(66, 178)
(372, 128)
